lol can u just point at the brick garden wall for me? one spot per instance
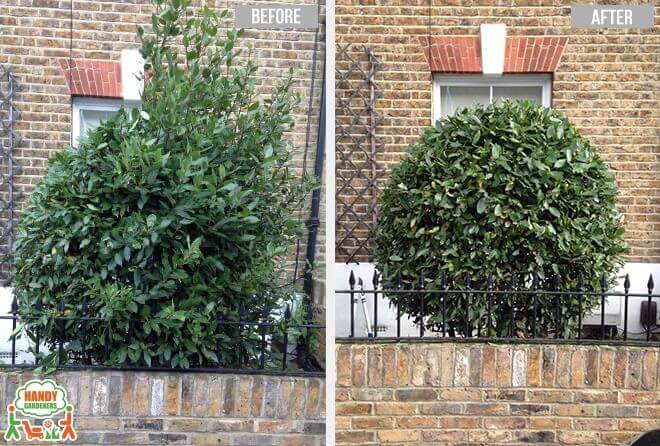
(190, 409)
(606, 83)
(487, 394)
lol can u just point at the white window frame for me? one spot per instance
(479, 80)
(81, 104)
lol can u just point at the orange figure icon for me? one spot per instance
(33, 432)
(68, 433)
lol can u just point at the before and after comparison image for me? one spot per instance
(329, 222)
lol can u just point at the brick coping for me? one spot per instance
(531, 342)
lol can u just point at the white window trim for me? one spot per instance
(101, 104)
(478, 80)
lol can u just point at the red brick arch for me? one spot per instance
(521, 55)
(92, 77)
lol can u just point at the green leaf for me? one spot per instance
(147, 358)
(476, 137)
(527, 195)
(554, 211)
(481, 206)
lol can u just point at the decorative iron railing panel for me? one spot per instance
(9, 195)
(511, 313)
(357, 145)
(280, 346)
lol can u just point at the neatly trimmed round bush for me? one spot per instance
(168, 217)
(500, 189)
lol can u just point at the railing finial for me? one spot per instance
(603, 282)
(557, 282)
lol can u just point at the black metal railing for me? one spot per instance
(527, 308)
(279, 345)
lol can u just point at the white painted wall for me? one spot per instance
(6, 297)
(639, 274)
(614, 308)
(386, 315)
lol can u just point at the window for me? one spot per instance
(453, 92)
(89, 112)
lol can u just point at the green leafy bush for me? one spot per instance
(500, 189)
(170, 216)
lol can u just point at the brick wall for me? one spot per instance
(477, 394)
(606, 83)
(35, 34)
(188, 408)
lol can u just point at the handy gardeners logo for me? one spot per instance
(40, 399)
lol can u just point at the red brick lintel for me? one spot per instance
(92, 77)
(521, 55)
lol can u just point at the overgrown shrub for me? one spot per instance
(500, 189)
(170, 216)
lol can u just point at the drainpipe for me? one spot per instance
(313, 222)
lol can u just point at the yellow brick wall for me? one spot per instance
(453, 393)
(187, 408)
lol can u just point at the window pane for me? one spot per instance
(90, 119)
(453, 98)
(534, 94)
